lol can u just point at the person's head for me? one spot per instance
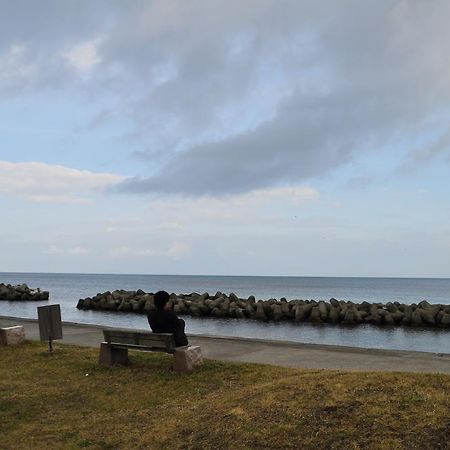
(161, 299)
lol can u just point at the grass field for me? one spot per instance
(65, 400)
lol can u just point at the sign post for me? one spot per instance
(50, 325)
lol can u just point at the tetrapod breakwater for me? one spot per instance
(221, 305)
(21, 292)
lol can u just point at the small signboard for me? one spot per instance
(50, 325)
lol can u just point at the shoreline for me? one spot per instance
(274, 352)
(282, 343)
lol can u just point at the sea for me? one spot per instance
(66, 289)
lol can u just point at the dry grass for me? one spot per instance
(65, 400)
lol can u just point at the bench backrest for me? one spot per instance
(150, 341)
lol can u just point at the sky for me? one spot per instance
(265, 137)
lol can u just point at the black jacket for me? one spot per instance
(166, 321)
(163, 321)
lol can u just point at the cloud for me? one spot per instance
(58, 199)
(77, 250)
(291, 96)
(126, 252)
(178, 250)
(45, 183)
(254, 208)
(14, 65)
(170, 226)
(175, 251)
(295, 194)
(179, 227)
(230, 97)
(84, 56)
(288, 149)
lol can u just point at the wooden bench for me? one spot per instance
(117, 343)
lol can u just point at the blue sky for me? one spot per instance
(264, 138)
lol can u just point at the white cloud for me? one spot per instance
(170, 226)
(58, 199)
(246, 207)
(46, 183)
(294, 194)
(178, 250)
(84, 56)
(14, 65)
(125, 251)
(77, 250)
(175, 250)
(255, 207)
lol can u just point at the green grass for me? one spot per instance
(65, 400)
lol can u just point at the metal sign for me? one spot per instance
(50, 325)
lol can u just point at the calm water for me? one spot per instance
(66, 289)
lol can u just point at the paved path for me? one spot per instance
(279, 353)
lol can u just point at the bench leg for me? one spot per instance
(12, 335)
(186, 358)
(110, 356)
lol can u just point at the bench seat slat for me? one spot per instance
(151, 340)
(142, 341)
(141, 347)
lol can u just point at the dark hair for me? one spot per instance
(161, 299)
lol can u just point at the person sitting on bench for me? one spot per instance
(164, 320)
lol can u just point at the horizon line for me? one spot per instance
(229, 276)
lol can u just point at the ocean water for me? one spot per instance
(66, 289)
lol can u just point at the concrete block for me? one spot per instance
(186, 358)
(110, 356)
(12, 335)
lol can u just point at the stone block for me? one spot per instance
(110, 356)
(186, 358)
(12, 335)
